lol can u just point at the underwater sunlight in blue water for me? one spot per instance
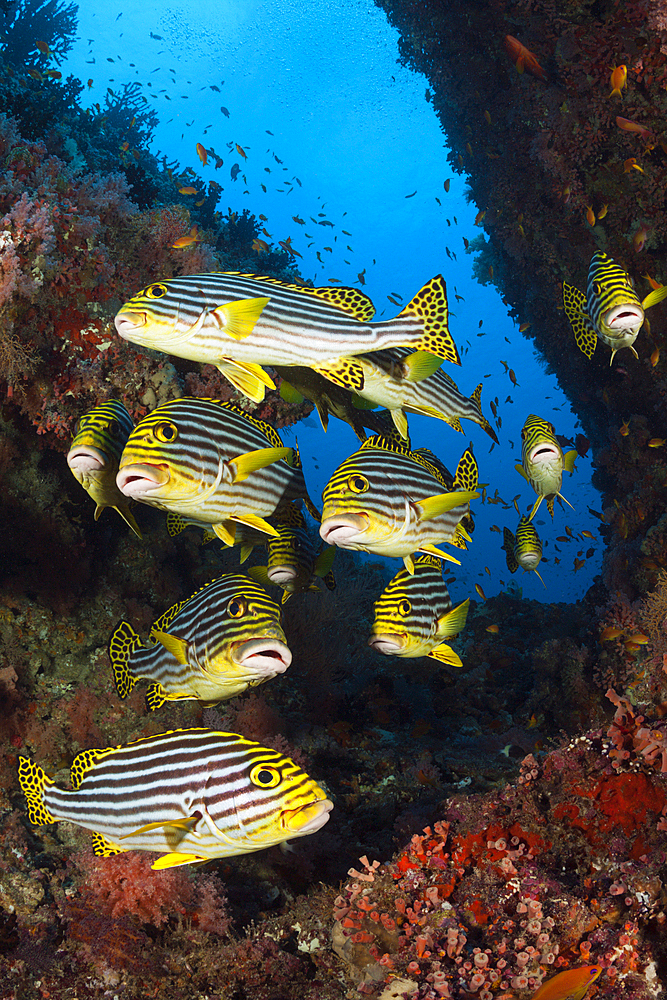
(342, 143)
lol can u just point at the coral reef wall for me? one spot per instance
(556, 178)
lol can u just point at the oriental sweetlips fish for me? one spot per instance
(391, 501)
(293, 563)
(239, 322)
(192, 794)
(543, 461)
(404, 380)
(211, 462)
(610, 311)
(523, 549)
(571, 984)
(95, 453)
(414, 614)
(225, 638)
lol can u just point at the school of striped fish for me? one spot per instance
(194, 795)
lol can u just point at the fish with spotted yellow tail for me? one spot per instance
(239, 322)
(192, 795)
(414, 615)
(610, 311)
(543, 461)
(389, 500)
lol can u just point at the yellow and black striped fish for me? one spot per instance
(239, 322)
(524, 549)
(193, 795)
(211, 462)
(409, 381)
(414, 614)
(543, 462)
(294, 563)
(610, 311)
(225, 638)
(95, 453)
(300, 383)
(391, 501)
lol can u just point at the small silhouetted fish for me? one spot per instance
(225, 112)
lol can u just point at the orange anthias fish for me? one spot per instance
(202, 154)
(187, 240)
(43, 48)
(618, 80)
(569, 985)
(188, 190)
(241, 152)
(261, 246)
(630, 126)
(524, 59)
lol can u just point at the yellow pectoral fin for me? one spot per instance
(445, 654)
(225, 531)
(289, 393)
(569, 459)
(177, 647)
(244, 465)
(652, 299)
(259, 574)
(453, 621)
(420, 365)
(520, 469)
(174, 860)
(186, 824)
(409, 564)
(237, 319)
(324, 561)
(253, 521)
(400, 423)
(432, 507)
(249, 379)
(434, 551)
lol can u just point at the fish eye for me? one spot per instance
(166, 431)
(237, 607)
(358, 484)
(265, 776)
(156, 291)
(597, 288)
(404, 608)
(113, 427)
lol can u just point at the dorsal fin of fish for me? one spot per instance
(156, 696)
(655, 296)
(420, 365)
(509, 541)
(574, 303)
(445, 654)
(248, 378)
(104, 848)
(467, 472)
(389, 442)
(173, 644)
(253, 461)
(238, 318)
(85, 762)
(174, 860)
(33, 780)
(123, 642)
(345, 372)
(439, 553)
(256, 522)
(429, 306)
(351, 301)
(441, 503)
(434, 465)
(453, 621)
(269, 432)
(426, 559)
(162, 623)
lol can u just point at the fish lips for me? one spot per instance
(84, 460)
(139, 481)
(389, 643)
(544, 453)
(280, 575)
(307, 819)
(264, 656)
(127, 322)
(626, 316)
(343, 529)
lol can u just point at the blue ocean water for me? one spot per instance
(339, 132)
